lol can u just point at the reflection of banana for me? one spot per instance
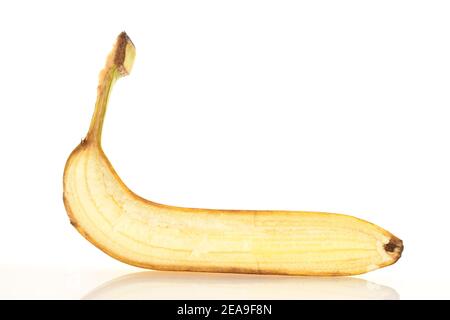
(168, 285)
(156, 236)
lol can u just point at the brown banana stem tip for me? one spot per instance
(120, 51)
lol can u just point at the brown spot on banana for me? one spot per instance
(394, 247)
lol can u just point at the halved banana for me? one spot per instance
(156, 236)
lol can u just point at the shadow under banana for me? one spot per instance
(161, 285)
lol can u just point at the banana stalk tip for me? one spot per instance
(124, 53)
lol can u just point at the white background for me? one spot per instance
(337, 106)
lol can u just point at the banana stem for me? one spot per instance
(119, 64)
(103, 93)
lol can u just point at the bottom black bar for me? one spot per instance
(236, 309)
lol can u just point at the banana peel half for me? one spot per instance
(147, 234)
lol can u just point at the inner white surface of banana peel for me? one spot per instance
(156, 236)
